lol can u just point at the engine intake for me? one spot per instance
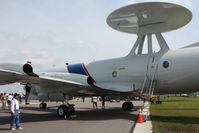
(27, 68)
(90, 81)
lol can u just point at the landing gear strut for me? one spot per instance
(127, 106)
(65, 111)
(42, 105)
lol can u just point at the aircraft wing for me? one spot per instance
(9, 76)
(50, 82)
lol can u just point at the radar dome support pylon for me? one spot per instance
(138, 46)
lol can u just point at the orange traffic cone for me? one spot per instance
(140, 120)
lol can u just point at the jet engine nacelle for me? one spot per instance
(90, 81)
(28, 69)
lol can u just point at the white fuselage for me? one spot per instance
(128, 73)
(132, 73)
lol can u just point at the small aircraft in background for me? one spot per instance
(163, 72)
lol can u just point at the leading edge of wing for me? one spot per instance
(4, 71)
(9, 76)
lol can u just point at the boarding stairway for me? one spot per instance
(150, 79)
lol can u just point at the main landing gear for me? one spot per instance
(42, 105)
(127, 106)
(65, 111)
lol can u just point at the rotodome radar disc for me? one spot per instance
(150, 17)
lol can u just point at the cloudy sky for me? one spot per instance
(52, 32)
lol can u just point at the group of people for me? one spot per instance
(4, 99)
(95, 99)
(12, 102)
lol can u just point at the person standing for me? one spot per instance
(4, 100)
(27, 96)
(103, 102)
(94, 101)
(83, 99)
(14, 108)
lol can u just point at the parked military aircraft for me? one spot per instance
(162, 72)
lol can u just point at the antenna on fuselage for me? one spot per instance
(146, 19)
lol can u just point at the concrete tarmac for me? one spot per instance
(88, 120)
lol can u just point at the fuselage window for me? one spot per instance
(114, 74)
(165, 64)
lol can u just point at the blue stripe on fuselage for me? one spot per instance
(76, 68)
